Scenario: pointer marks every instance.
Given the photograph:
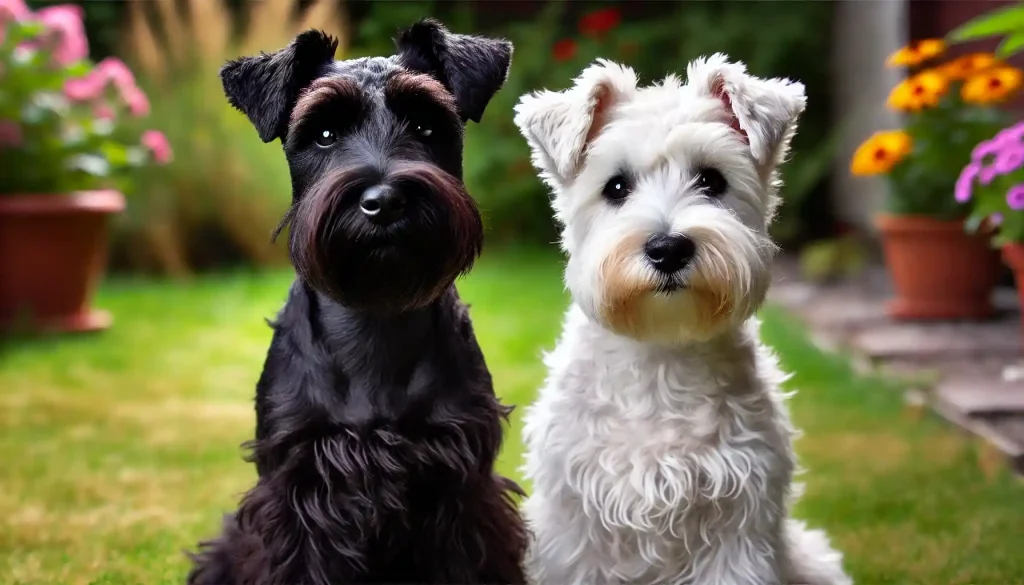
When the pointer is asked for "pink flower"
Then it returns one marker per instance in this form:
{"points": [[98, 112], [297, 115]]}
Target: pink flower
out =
{"points": [[103, 112], [996, 219], [138, 103], [113, 69], [962, 191], [1015, 197], [66, 21], [157, 143], [13, 10], [10, 134], [83, 89]]}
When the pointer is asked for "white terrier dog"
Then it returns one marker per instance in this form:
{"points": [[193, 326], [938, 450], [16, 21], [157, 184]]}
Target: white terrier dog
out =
{"points": [[660, 447]]}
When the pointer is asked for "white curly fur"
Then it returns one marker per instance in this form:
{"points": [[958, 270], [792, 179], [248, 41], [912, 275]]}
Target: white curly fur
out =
{"points": [[660, 446]]}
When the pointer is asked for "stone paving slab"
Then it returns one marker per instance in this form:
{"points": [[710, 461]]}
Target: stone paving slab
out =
{"points": [[957, 368], [939, 341], [982, 394]]}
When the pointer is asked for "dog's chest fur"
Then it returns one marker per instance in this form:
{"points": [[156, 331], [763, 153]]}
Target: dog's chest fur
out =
{"points": [[375, 448], [649, 451]]}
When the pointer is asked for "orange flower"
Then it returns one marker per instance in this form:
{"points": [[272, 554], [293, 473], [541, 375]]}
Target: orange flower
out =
{"points": [[916, 53], [880, 153], [968, 65], [923, 90], [992, 86]]}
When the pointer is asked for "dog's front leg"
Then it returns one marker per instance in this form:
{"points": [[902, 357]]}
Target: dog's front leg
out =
{"points": [[740, 525]]}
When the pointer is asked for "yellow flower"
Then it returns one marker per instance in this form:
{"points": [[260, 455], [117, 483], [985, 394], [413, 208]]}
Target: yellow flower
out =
{"points": [[916, 53], [994, 85], [879, 153], [923, 90], [968, 65]]}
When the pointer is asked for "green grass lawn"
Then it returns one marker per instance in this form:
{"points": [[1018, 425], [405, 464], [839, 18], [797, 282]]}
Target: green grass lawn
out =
{"points": [[120, 450]]}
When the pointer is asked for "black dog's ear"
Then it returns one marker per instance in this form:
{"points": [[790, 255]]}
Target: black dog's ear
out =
{"points": [[266, 87], [472, 68]]}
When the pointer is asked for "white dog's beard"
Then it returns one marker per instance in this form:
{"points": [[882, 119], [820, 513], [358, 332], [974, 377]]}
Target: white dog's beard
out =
{"points": [[723, 285]]}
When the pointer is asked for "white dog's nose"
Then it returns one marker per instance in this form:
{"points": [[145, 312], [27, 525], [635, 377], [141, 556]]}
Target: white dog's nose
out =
{"points": [[669, 253]]}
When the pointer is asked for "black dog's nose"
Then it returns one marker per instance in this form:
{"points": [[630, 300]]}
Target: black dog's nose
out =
{"points": [[669, 253], [382, 204]]}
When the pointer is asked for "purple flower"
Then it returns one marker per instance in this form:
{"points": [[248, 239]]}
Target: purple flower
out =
{"points": [[996, 219], [1012, 135], [1008, 159], [986, 148], [1015, 197], [962, 191]]}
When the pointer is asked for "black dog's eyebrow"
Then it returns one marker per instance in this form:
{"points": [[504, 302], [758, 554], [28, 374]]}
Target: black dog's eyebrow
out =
{"points": [[406, 90], [338, 92]]}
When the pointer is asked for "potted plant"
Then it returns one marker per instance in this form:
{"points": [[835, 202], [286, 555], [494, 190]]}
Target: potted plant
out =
{"points": [[64, 164], [940, 266], [993, 183]]}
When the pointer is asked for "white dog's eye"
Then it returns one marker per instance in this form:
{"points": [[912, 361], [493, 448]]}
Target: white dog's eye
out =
{"points": [[326, 138], [711, 182], [617, 189]]}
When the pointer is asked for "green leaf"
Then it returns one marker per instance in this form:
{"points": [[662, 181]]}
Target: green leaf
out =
{"points": [[116, 154], [998, 22], [1010, 45], [78, 69]]}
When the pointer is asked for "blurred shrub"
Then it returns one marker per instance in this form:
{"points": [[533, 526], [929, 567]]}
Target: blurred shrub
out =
{"points": [[221, 198], [227, 190], [100, 17], [655, 38], [771, 41], [61, 116]]}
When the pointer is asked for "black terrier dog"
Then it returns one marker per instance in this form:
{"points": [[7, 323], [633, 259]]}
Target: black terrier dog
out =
{"points": [[377, 426]]}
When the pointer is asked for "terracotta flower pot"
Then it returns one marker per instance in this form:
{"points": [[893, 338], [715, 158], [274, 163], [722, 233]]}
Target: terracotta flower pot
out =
{"points": [[53, 253], [938, 270]]}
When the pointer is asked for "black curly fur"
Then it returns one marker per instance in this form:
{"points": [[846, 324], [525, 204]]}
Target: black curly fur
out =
{"points": [[377, 427], [346, 497]]}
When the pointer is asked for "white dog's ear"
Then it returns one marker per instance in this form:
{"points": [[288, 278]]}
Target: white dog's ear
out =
{"points": [[560, 125], [765, 111]]}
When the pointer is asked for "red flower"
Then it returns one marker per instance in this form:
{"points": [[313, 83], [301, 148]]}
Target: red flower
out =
{"points": [[599, 22], [564, 50]]}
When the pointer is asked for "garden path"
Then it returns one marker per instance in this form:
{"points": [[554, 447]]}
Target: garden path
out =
{"points": [[972, 374]]}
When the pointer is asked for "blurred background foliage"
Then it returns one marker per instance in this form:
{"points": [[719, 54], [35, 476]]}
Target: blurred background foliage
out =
{"points": [[217, 203]]}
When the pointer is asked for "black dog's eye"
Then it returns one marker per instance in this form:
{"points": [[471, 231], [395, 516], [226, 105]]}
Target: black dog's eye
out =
{"points": [[617, 189], [711, 182], [422, 131], [326, 138]]}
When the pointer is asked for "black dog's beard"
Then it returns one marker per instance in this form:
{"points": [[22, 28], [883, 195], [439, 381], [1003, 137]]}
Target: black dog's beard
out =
{"points": [[398, 267]]}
